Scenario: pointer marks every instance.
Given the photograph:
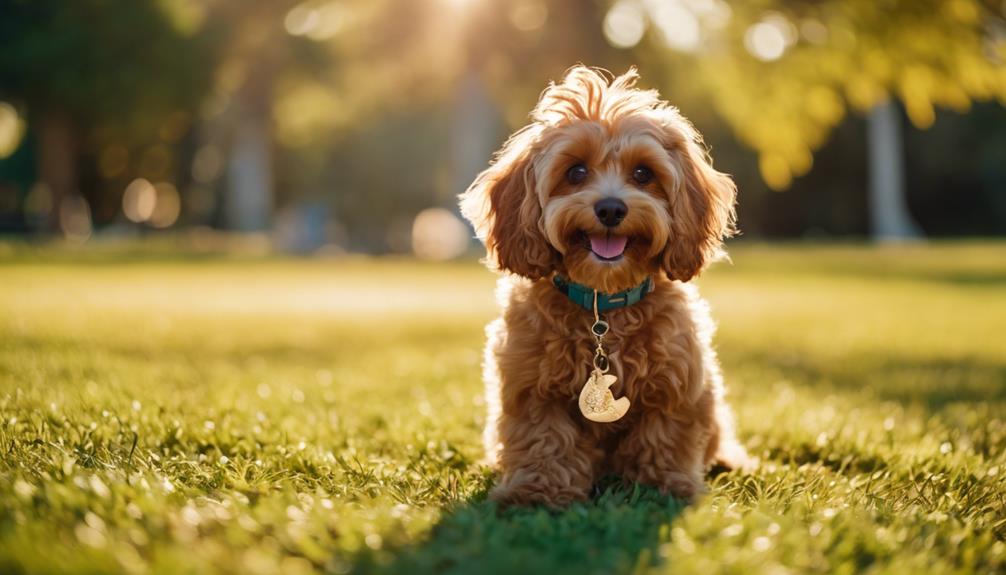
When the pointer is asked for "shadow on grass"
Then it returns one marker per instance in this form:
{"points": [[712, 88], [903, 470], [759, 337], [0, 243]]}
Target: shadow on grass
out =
{"points": [[618, 530]]}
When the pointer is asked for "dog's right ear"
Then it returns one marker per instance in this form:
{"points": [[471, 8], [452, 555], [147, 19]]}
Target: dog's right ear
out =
{"points": [[503, 207]]}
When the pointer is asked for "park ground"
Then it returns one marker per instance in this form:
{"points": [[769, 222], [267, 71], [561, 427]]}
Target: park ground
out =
{"points": [[188, 413]]}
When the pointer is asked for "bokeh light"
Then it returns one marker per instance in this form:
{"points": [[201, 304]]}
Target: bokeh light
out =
{"points": [[625, 24], [157, 204], [528, 15], [814, 31], [12, 128], [316, 20], [766, 40], [167, 206], [678, 25], [139, 200], [714, 14], [438, 234]]}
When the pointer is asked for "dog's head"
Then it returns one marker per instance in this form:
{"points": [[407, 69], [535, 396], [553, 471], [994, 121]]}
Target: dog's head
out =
{"points": [[607, 185]]}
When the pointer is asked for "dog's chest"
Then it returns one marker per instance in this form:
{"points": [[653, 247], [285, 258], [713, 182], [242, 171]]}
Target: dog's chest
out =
{"points": [[548, 348], [633, 355]]}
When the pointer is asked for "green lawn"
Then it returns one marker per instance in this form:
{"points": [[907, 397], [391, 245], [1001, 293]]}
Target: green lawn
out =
{"points": [[206, 414]]}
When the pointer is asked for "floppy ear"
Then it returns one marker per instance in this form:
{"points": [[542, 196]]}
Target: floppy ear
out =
{"points": [[502, 205], [702, 210]]}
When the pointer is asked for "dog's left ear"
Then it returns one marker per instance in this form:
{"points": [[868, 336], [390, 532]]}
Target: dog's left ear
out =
{"points": [[503, 207], [701, 204]]}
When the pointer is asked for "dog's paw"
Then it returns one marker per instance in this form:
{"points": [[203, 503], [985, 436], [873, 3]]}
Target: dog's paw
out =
{"points": [[684, 486], [523, 488]]}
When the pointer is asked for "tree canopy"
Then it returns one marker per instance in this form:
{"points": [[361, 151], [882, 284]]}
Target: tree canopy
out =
{"points": [[784, 73], [102, 61], [350, 88]]}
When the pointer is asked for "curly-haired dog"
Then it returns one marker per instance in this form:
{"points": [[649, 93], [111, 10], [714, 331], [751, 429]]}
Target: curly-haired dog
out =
{"points": [[602, 207]]}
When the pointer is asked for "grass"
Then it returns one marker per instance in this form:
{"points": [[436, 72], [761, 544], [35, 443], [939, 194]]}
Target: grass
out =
{"points": [[176, 414]]}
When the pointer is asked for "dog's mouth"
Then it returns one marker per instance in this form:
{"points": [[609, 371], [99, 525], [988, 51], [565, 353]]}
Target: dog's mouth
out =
{"points": [[608, 247]]}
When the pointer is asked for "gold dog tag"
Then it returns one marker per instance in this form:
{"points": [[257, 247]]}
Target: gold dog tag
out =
{"points": [[597, 403]]}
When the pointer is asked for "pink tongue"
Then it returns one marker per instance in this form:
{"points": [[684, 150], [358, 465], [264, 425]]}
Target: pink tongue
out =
{"points": [[607, 246]]}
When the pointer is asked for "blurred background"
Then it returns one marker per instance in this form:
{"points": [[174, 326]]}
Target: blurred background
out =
{"points": [[339, 126]]}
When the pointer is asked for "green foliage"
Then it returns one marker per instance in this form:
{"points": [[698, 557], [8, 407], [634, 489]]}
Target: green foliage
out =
{"points": [[193, 414], [113, 61], [819, 60]]}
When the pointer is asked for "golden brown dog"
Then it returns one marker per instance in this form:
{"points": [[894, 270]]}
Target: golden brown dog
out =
{"points": [[608, 189]]}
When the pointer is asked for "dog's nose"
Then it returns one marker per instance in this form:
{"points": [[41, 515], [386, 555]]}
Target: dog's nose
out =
{"points": [[611, 211]]}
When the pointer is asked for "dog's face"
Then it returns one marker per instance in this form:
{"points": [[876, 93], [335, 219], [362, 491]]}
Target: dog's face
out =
{"points": [[606, 186]]}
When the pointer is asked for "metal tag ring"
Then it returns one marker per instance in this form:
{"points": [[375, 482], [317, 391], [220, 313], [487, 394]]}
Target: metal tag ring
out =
{"points": [[600, 328]]}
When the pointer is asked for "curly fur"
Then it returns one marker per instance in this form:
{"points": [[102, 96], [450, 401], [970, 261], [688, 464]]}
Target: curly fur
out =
{"points": [[534, 224]]}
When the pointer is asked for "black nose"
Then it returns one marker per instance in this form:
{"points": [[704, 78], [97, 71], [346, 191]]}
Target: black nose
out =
{"points": [[611, 211]]}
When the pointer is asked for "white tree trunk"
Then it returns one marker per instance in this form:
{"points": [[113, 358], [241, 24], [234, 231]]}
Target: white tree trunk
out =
{"points": [[57, 160], [473, 132], [248, 204], [890, 220]]}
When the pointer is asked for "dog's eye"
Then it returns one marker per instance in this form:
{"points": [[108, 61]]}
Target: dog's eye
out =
{"points": [[576, 174], [642, 175]]}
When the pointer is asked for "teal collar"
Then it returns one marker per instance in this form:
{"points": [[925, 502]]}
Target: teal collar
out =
{"points": [[583, 296]]}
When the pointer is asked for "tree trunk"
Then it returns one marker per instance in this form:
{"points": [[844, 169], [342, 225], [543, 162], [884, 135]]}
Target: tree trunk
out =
{"points": [[890, 220], [473, 132], [248, 202], [56, 165]]}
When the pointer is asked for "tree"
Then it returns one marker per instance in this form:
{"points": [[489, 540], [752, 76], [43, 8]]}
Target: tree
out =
{"points": [[118, 67], [784, 73]]}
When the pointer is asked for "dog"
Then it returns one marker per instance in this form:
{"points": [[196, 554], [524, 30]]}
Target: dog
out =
{"points": [[599, 212]]}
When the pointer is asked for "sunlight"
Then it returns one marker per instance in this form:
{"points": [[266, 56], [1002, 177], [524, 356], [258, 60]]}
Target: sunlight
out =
{"points": [[438, 234]]}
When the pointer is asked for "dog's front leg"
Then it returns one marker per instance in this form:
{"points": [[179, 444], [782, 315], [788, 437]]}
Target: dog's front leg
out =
{"points": [[666, 450], [544, 458]]}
